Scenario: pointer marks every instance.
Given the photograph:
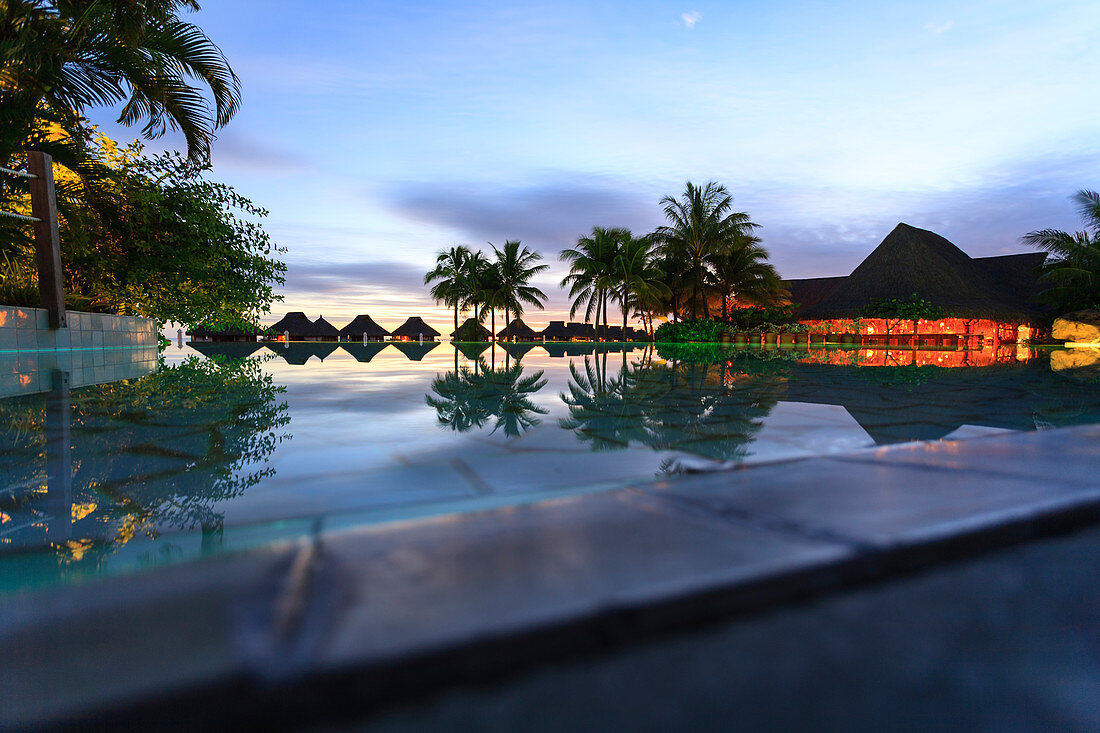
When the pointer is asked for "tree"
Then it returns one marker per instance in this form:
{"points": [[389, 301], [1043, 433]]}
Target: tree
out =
{"points": [[637, 277], [914, 308], [591, 271], [1072, 274], [742, 274], [448, 275], [167, 243], [701, 225], [516, 265], [62, 57]]}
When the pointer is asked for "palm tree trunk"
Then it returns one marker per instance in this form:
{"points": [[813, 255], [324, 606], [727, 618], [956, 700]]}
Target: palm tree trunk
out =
{"points": [[456, 320], [493, 323], [624, 316]]}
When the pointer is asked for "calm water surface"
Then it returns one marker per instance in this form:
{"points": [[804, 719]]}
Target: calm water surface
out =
{"points": [[220, 450]]}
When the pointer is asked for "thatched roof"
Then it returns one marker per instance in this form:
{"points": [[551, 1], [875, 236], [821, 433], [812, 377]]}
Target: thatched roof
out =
{"points": [[364, 324], [1018, 274], [321, 327], [471, 330], [808, 292], [581, 330], [517, 329], [413, 350], [414, 327], [556, 331], [911, 260], [296, 323], [363, 352]]}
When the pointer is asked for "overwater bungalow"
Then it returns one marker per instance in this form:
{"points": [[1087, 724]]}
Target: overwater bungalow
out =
{"points": [[983, 299], [363, 328], [322, 331], [471, 331], [517, 330], [556, 331], [413, 350], [294, 326], [298, 353], [581, 331], [414, 329], [364, 352], [209, 333]]}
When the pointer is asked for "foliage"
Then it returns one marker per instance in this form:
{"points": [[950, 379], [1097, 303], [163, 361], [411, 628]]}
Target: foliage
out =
{"points": [[913, 308], [702, 226], [1072, 273], [516, 266], [591, 277], [753, 318], [59, 58], [449, 277], [701, 330], [741, 274]]}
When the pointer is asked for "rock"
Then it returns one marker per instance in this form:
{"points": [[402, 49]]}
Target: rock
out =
{"points": [[1082, 327]]}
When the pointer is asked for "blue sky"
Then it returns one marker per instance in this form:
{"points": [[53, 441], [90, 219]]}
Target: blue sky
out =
{"points": [[379, 132]]}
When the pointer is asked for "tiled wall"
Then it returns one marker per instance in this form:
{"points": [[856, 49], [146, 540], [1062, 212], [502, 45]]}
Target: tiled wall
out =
{"points": [[95, 348]]}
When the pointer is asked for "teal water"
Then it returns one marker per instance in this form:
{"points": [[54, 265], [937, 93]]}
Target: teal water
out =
{"points": [[228, 447]]}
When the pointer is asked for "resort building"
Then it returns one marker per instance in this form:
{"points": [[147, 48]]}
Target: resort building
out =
{"points": [[363, 328], [517, 330], [982, 299], [556, 331], [294, 326], [414, 329], [471, 331], [581, 331], [322, 331]]}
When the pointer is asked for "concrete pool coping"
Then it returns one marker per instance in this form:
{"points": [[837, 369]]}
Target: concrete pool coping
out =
{"points": [[346, 622]]}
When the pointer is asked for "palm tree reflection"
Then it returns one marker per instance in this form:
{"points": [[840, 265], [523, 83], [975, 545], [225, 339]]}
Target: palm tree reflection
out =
{"points": [[474, 398], [698, 407]]}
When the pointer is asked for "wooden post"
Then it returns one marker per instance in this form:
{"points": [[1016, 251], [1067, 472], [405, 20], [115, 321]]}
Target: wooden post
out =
{"points": [[51, 291]]}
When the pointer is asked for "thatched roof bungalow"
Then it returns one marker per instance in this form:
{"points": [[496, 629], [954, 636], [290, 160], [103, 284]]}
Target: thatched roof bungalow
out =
{"points": [[322, 331], [556, 331], [472, 332], [517, 330], [295, 324], [363, 328], [986, 295], [581, 331], [414, 329]]}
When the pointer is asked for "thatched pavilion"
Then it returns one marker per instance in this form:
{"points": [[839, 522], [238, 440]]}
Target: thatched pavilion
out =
{"points": [[472, 331], [414, 329], [517, 330], [986, 297], [363, 328], [295, 324], [581, 331], [556, 331]]}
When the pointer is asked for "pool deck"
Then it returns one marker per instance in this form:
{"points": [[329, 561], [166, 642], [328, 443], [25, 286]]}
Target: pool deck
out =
{"points": [[349, 623]]}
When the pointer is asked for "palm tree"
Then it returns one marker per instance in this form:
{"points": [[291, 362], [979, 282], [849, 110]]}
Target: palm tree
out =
{"points": [[65, 57], [516, 266], [743, 274], [449, 275], [701, 224], [636, 274], [591, 272], [1073, 273], [485, 287]]}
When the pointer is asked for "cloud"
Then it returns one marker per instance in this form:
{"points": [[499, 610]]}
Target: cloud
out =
{"points": [[690, 19], [939, 27], [249, 154]]}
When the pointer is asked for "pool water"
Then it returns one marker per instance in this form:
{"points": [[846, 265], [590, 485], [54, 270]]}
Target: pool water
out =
{"points": [[225, 447]]}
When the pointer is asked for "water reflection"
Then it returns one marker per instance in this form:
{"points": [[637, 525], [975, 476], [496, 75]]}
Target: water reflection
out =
{"points": [[474, 398], [85, 471]]}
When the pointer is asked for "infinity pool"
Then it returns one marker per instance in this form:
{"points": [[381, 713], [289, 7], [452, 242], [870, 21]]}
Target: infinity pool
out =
{"points": [[227, 447]]}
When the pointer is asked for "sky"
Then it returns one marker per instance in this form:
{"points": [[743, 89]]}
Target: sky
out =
{"points": [[377, 133]]}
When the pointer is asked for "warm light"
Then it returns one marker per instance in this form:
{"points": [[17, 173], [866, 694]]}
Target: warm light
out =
{"points": [[870, 329]]}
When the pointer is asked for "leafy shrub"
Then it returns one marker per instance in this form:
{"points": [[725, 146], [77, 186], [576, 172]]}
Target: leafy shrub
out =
{"points": [[696, 331]]}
